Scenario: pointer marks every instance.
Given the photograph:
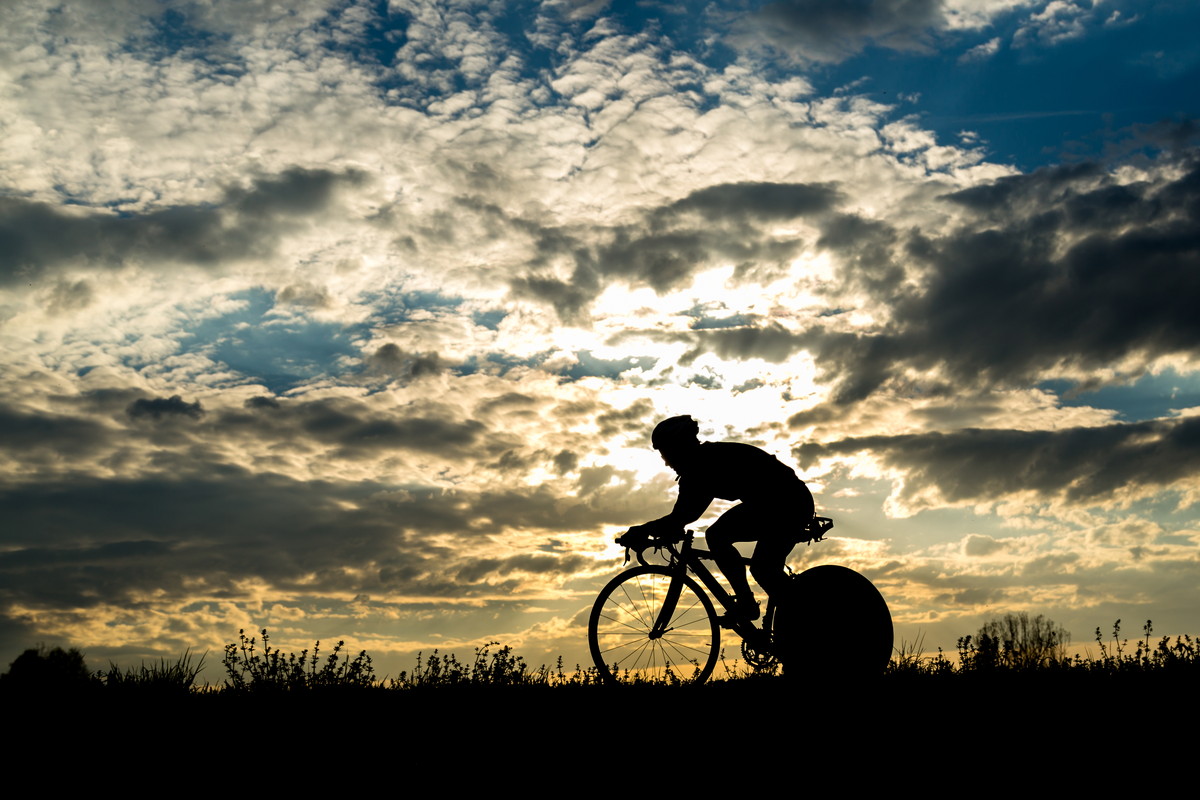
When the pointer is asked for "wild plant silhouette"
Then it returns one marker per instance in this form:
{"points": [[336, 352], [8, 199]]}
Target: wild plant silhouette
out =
{"points": [[252, 666]]}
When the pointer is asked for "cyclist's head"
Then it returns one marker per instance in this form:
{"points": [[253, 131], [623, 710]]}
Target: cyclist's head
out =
{"points": [[675, 434]]}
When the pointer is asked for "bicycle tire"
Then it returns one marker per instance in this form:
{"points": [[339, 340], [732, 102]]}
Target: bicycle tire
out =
{"points": [[622, 620], [833, 624]]}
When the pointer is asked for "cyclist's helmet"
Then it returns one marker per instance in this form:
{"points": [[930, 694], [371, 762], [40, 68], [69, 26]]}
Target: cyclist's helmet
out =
{"points": [[675, 432]]}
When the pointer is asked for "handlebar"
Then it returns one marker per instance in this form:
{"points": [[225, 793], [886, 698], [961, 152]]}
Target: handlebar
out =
{"points": [[639, 541]]}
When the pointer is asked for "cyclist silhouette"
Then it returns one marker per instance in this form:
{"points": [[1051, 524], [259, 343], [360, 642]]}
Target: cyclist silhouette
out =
{"points": [[775, 505]]}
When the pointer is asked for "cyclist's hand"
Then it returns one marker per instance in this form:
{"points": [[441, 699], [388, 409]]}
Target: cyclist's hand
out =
{"points": [[635, 538]]}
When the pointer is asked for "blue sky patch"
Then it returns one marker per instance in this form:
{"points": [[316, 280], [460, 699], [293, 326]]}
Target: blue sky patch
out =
{"points": [[393, 306], [1028, 103], [732, 321], [489, 319], [591, 366], [1149, 397], [174, 34], [279, 352]]}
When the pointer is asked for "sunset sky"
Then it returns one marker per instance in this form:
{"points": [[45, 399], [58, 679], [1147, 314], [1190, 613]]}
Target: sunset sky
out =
{"points": [[351, 320]]}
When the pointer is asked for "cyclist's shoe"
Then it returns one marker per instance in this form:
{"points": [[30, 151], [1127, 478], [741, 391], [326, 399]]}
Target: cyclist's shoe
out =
{"points": [[743, 610]]}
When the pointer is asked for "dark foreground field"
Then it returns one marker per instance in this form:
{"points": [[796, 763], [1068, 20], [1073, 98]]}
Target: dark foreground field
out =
{"points": [[1130, 711], [893, 720]]}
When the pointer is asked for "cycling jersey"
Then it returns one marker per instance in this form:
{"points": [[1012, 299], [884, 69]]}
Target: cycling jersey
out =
{"points": [[733, 471]]}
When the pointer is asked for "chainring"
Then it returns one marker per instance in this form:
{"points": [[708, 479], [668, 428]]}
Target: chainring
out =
{"points": [[758, 659]]}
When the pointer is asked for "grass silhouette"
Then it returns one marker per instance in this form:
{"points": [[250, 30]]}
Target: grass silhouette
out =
{"points": [[253, 667]]}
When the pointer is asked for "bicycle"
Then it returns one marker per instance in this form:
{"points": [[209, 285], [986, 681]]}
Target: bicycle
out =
{"points": [[655, 622]]}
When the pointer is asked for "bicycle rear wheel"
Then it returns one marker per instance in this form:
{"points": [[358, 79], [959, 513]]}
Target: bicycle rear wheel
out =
{"points": [[621, 629], [833, 624]]}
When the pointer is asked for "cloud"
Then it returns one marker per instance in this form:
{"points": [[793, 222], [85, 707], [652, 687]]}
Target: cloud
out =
{"points": [[354, 430], [1105, 466], [30, 437], [976, 545], [349, 233], [675, 241], [160, 541], [1060, 273], [831, 31], [753, 202], [981, 52], [247, 222], [391, 360], [1063, 272], [160, 407], [770, 342], [1059, 21]]}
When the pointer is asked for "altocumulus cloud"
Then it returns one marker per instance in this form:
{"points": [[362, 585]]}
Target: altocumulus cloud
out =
{"points": [[353, 318]]}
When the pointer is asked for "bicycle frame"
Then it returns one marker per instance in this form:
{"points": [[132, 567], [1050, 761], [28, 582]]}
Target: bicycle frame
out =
{"points": [[686, 557], [657, 619]]}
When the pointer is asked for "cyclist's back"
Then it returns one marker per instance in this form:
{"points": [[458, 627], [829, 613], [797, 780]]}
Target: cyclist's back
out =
{"points": [[736, 471]]}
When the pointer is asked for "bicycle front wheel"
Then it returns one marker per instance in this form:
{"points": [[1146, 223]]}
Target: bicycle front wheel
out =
{"points": [[621, 630]]}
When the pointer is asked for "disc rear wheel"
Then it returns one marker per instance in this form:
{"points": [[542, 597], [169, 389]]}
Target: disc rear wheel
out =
{"points": [[833, 624], [621, 631]]}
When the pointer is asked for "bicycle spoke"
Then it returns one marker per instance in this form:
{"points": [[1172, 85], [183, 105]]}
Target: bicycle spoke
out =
{"points": [[633, 603], [679, 648], [637, 643], [636, 654], [678, 622], [641, 629]]}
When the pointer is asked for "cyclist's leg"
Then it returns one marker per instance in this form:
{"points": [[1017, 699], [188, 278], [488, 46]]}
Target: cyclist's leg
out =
{"points": [[735, 525], [777, 523], [766, 565]]}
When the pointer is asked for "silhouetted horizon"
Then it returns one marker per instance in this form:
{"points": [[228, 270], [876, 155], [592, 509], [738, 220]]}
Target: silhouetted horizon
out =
{"points": [[352, 320]]}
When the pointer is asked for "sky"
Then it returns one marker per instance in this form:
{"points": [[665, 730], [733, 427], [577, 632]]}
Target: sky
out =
{"points": [[351, 320]]}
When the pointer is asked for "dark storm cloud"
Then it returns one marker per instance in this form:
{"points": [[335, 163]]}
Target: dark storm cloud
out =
{"points": [[94, 542], [717, 224], [1060, 270], [247, 222], [535, 563], [389, 359], [565, 461], [866, 248], [1065, 272], [181, 437], [721, 223], [633, 419], [508, 402], [770, 342], [67, 296], [569, 298], [85, 543], [832, 30], [357, 431], [1079, 464], [35, 436], [751, 202], [160, 407]]}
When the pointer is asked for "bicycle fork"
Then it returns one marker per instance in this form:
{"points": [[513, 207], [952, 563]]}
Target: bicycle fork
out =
{"points": [[667, 612]]}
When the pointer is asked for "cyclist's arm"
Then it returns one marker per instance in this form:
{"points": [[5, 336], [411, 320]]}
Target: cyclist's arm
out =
{"points": [[689, 507]]}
